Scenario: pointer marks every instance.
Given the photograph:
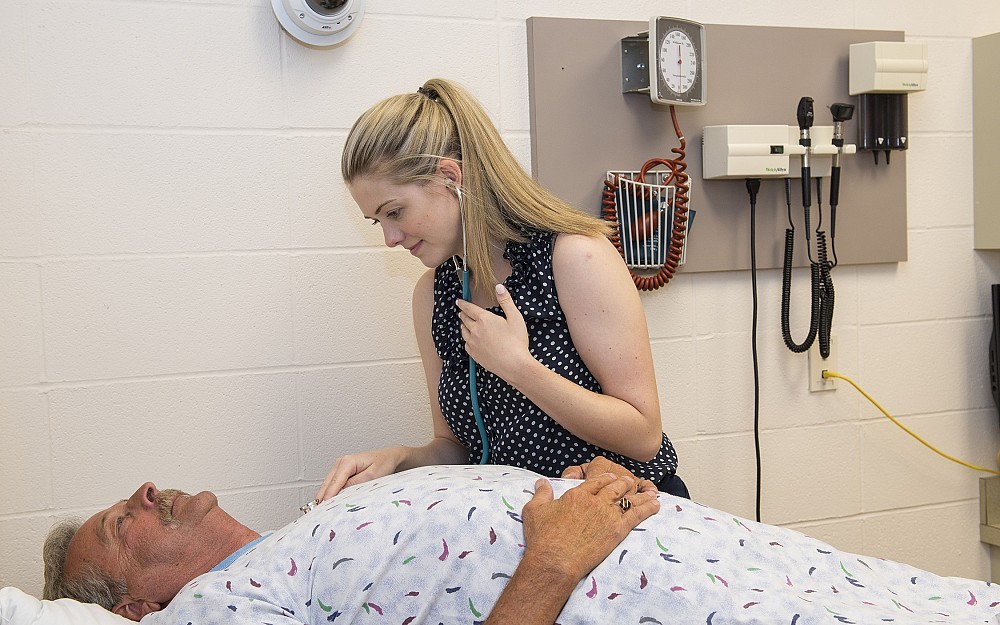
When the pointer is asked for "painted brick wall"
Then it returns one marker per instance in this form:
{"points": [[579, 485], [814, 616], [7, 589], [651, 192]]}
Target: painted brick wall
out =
{"points": [[188, 294]]}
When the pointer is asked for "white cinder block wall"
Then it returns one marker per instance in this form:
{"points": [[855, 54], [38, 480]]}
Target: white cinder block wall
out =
{"points": [[188, 295]]}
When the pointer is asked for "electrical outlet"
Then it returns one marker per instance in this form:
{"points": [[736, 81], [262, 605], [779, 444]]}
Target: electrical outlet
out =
{"points": [[817, 364]]}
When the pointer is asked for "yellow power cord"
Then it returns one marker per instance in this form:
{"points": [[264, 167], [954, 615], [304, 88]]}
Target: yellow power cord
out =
{"points": [[831, 374]]}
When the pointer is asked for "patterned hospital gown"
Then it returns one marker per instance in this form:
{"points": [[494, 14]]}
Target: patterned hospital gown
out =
{"points": [[438, 545]]}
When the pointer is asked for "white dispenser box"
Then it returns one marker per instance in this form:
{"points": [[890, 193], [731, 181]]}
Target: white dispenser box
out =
{"points": [[887, 67]]}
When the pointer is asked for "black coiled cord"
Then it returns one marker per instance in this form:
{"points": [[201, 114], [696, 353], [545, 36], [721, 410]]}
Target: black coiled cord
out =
{"points": [[786, 298], [826, 295], [821, 288]]}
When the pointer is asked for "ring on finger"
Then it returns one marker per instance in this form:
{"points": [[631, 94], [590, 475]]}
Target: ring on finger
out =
{"points": [[624, 504]]}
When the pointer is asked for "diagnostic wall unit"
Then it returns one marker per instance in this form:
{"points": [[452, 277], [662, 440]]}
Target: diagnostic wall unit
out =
{"points": [[582, 125]]}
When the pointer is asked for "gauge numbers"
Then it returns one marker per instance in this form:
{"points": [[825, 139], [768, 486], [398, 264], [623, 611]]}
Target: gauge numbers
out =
{"points": [[677, 49], [678, 61]]}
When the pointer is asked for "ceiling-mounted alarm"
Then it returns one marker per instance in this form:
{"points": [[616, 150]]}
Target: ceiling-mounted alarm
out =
{"points": [[320, 23]]}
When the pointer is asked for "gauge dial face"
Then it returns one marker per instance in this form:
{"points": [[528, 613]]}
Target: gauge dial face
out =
{"points": [[678, 61]]}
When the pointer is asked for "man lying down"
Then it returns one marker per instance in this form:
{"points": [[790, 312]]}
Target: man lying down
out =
{"points": [[468, 544]]}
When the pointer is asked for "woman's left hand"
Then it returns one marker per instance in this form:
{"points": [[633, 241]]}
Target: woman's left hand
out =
{"points": [[500, 345], [600, 465]]}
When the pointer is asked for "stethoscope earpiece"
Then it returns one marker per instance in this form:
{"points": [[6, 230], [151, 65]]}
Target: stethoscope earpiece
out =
{"points": [[450, 184]]}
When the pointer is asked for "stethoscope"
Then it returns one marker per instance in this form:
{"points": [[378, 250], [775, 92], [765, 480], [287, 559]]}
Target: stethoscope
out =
{"points": [[467, 296]]}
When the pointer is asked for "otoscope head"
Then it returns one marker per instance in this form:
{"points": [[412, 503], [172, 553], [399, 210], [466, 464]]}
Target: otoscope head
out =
{"points": [[805, 113], [842, 111]]}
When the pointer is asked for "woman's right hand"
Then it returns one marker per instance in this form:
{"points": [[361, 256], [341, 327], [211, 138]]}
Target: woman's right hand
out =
{"points": [[358, 468]]}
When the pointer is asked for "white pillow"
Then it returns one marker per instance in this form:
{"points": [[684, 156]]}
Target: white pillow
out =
{"points": [[18, 608]]}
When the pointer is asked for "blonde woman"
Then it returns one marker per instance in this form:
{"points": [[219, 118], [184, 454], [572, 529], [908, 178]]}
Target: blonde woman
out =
{"points": [[563, 370]]}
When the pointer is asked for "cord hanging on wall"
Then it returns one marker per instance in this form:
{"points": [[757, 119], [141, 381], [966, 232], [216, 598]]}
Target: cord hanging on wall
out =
{"points": [[319, 23], [821, 284]]}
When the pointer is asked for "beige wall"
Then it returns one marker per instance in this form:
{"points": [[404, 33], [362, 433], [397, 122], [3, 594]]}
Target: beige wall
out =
{"points": [[188, 295]]}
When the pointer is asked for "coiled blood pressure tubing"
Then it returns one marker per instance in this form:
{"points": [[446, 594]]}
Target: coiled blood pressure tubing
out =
{"points": [[467, 296], [679, 178]]}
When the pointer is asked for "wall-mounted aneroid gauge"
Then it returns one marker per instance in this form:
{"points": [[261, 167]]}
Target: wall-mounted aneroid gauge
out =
{"points": [[677, 52], [667, 62]]}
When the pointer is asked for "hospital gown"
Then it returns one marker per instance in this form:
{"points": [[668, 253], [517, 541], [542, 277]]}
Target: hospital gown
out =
{"points": [[438, 545]]}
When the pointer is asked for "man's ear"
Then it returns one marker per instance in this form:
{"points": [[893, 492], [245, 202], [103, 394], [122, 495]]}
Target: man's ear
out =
{"points": [[135, 609]]}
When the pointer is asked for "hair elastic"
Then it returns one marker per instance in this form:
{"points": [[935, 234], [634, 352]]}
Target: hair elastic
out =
{"points": [[430, 92]]}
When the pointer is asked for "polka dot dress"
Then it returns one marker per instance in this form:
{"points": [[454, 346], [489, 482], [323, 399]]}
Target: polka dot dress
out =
{"points": [[520, 434]]}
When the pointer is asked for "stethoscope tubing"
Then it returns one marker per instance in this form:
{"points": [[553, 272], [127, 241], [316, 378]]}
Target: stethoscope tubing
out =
{"points": [[467, 296]]}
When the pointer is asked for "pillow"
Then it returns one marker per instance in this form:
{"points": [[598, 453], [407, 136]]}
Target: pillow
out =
{"points": [[19, 608]]}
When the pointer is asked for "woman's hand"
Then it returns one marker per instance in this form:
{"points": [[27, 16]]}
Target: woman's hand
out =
{"points": [[600, 465], [498, 344], [357, 468]]}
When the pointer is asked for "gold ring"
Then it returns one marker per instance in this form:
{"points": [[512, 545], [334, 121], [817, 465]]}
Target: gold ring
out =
{"points": [[624, 504]]}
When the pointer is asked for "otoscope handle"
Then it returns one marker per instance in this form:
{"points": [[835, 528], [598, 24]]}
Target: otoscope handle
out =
{"points": [[835, 186]]}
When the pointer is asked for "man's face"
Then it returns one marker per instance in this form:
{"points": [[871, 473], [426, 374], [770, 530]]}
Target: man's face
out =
{"points": [[154, 541]]}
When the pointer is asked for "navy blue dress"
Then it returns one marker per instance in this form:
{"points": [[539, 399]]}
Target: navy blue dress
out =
{"points": [[520, 434]]}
